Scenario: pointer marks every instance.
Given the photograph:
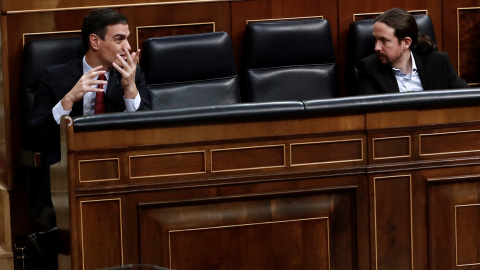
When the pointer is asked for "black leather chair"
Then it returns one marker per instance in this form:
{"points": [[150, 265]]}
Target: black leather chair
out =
{"points": [[190, 70], [362, 44], [37, 55], [289, 60]]}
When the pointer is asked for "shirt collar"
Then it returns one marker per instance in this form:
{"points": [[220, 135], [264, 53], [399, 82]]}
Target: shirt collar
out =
{"points": [[414, 66], [87, 68]]}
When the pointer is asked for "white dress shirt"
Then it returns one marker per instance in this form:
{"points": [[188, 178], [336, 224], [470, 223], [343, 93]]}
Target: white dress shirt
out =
{"points": [[89, 100], [408, 82]]}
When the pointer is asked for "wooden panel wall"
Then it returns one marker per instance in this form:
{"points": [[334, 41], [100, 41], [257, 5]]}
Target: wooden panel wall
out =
{"points": [[24, 20], [283, 193], [29, 19], [464, 39], [6, 254], [286, 201]]}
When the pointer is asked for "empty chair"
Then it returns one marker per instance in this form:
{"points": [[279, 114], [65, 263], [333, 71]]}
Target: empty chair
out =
{"points": [[289, 60], [190, 70], [362, 44]]}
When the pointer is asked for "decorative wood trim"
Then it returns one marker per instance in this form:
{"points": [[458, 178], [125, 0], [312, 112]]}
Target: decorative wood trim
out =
{"points": [[244, 197], [5, 228], [166, 154], [116, 6], [49, 33], [389, 138], [284, 19], [461, 178], [98, 160], [120, 222], [363, 14], [170, 25], [375, 215], [327, 162], [444, 133], [170, 232], [378, 13], [456, 235], [246, 148], [458, 41], [260, 195], [246, 224]]}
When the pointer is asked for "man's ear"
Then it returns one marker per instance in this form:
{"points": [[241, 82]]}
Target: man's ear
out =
{"points": [[408, 42], [94, 39]]}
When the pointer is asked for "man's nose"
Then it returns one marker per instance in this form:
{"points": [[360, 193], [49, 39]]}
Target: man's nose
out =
{"points": [[378, 46], [127, 45]]}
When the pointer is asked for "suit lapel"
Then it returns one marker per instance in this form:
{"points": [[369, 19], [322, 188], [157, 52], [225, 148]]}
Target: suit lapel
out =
{"points": [[115, 93], [422, 71], [390, 81], [113, 98]]}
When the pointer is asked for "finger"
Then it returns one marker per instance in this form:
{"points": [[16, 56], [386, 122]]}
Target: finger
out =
{"points": [[127, 53], [125, 59], [136, 56], [132, 59], [95, 69], [97, 73], [120, 69], [122, 61], [95, 89], [97, 82]]}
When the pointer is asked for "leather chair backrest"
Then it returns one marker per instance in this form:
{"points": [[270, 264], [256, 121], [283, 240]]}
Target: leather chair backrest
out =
{"points": [[190, 70], [39, 54], [289, 60], [362, 44]]}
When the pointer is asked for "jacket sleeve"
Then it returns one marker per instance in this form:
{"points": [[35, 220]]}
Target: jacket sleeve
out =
{"points": [[41, 129], [454, 81], [143, 90], [365, 84]]}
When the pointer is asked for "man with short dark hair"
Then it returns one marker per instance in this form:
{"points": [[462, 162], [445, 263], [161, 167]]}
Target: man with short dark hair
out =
{"points": [[107, 79], [404, 59]]}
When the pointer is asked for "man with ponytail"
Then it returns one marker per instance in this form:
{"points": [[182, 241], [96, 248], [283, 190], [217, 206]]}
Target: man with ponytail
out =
{"points": [[404, 59]]}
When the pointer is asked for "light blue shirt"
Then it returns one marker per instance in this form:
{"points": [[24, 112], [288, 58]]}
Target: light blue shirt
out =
{"points": [[408, 82], [131, 105]]}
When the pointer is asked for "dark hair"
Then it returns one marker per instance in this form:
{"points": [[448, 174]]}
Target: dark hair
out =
{"points": [[405, 25], [96, 22]]}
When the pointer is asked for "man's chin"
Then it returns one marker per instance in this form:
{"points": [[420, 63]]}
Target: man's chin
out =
{"points": [[382, 60]]}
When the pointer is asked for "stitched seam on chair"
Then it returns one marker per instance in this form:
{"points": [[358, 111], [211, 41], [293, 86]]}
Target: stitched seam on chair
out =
{"points": [[293, 66], [196, 81]]}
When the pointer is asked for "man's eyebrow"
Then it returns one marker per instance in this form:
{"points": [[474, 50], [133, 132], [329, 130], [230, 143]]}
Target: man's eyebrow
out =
{"points": [[380, 37], [119, 35]]}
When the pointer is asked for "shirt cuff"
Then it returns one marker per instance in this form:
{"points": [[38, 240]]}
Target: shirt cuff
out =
{"points": [[58, 112], [132, 105]]}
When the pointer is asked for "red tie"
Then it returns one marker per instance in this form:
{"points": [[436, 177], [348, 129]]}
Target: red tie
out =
{"points": [[99, 102]]}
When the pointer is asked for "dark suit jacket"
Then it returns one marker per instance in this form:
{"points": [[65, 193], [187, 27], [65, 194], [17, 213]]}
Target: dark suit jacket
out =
{"points": [[55, 83], [434, 68]]}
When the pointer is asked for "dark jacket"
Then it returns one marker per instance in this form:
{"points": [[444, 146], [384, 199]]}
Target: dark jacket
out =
{"points": [[42, 130], [434, 68]]}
